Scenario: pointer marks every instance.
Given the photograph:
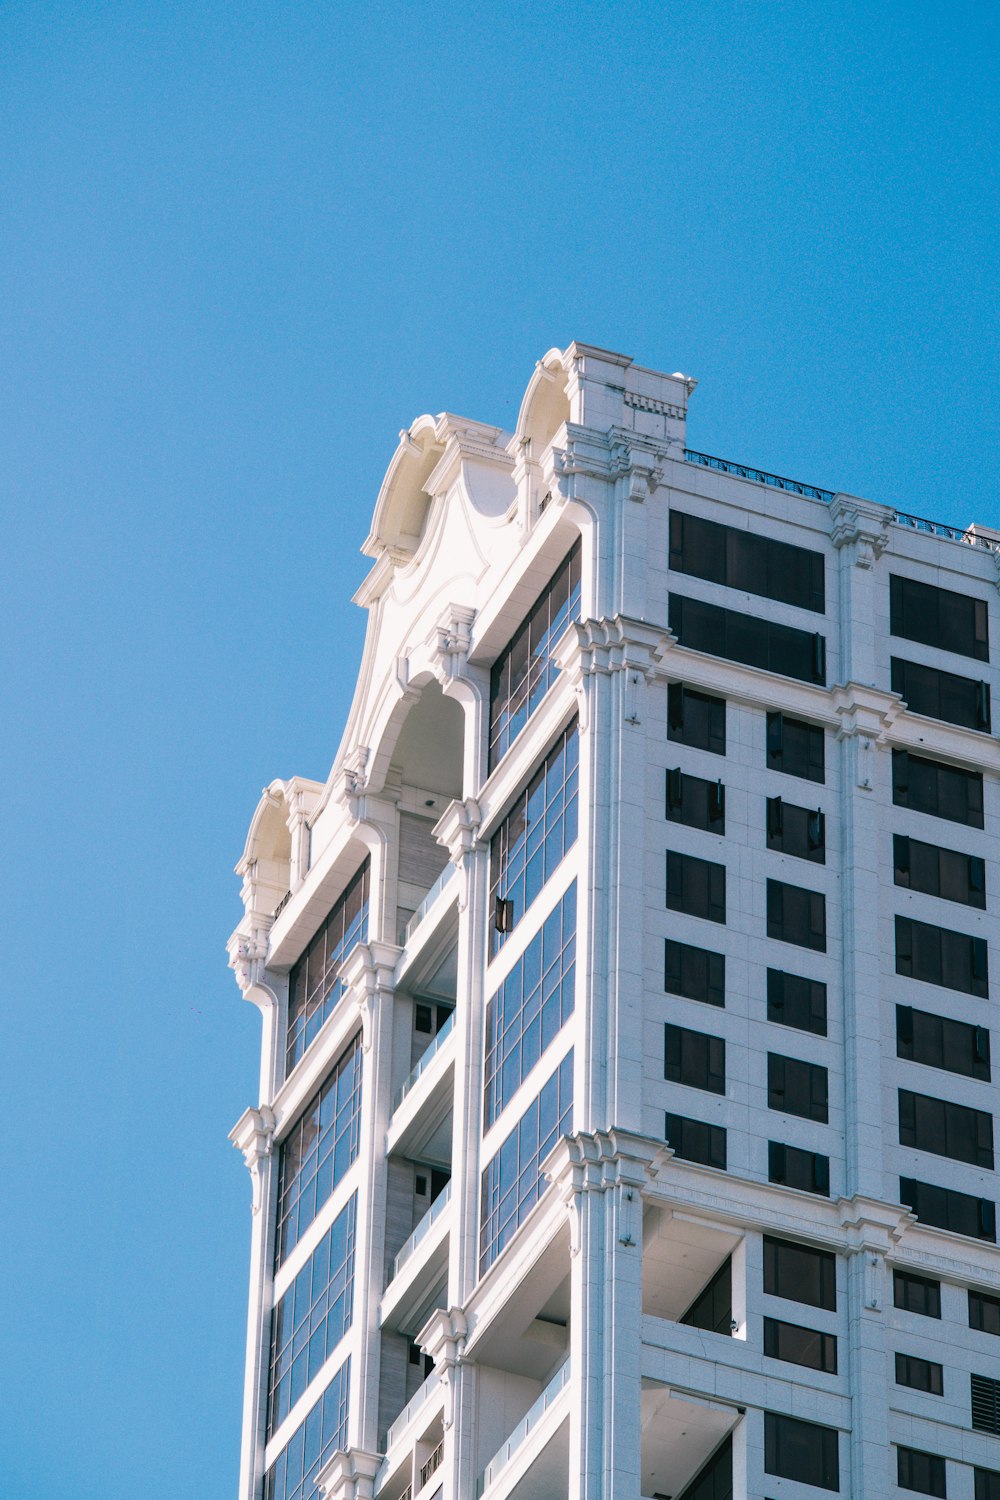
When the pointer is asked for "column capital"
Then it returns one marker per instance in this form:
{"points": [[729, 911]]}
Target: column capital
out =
{"points": [[865, 711], [612, 1161], [862, 526], [369, 973], [349, 1475], [248, 949], [873, 1225], [458, 830], [253, 1134], [599, 648]]}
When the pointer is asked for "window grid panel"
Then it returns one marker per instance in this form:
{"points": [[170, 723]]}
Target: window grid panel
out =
{"points": [[796, 915], [531, 1007], [946, 1129], [315, 986], [984, 1313], [525, 670], [795, 1001], [942, 791], [937, 955], [745, 560], [695, 973], [916, 1294], [941, 1042], [751, 639], [802, 1451], [938, 617], [939, 872], [696, 719], [924, 1473], [318, 1151], [535, 835], [511, 1182], [946, 1208], [696, 1141], [292, 1476], [797, 1345], [796, 748], [919, 1374], [312, 1316], [800, 1273], [942, 695]]}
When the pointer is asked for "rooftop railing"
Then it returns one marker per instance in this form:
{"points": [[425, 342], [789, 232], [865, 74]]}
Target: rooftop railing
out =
{"points": [[435, 1211], [446, 875], [530, 1420], [424, 1061], [970, 537]]}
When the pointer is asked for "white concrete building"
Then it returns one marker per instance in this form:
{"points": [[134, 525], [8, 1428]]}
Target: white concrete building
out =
{"points": [[625, 1122]]}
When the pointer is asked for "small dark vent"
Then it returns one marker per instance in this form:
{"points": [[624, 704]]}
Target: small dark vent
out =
{"points": [[985, 1404]]}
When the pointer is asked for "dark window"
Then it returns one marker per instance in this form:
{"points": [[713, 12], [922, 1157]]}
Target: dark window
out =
{"points": [[799, 1273], [795, 915], [796, 748], [311, 1317], [916, 1294], [696, 886], [940, 1042], [803, 1451], [944, 1208], [797, 1088], [693, 1058], [696, 802], [314, 984], [743, 559], [985, 1404], [800, 1346], [512, 1182], [942, 695], [946, 1129], [531, 1006], [694, 973], [937, 955], [920, 1374], [930, 786], [987, 1484], [798, 1002], [696, 719], [806, 1170], [292, 1476], [524, 671], [800, 831], [923, 1472], [714, 1480], [693, 1140], [751, 639], [712, 1309], [318, 1150], [984, 1313], [939, 872], [938, 617], [535, 834]]}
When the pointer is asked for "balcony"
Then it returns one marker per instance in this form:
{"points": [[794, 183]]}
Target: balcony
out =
{"points": [[527, 1425], [430, 1218], [419, 1269], [424, 1062], [412, 1442]]}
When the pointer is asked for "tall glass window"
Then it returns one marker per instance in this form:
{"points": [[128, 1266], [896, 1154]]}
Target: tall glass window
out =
{"points": [[315, 984], [524, 671], [512, 1182], [530, 1007], [312, 1317], [292, 1476], [534, 836], [321, 1146]]}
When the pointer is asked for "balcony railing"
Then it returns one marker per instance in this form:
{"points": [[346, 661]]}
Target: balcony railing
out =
{"points": [[446, 875], [424, 1062], [528, 1422], [421, 1394], [433, 1464], [948, 533], [435, 1211]]}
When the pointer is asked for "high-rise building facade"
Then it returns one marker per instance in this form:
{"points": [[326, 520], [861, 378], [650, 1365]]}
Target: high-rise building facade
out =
{"points": [[626, 1116]]}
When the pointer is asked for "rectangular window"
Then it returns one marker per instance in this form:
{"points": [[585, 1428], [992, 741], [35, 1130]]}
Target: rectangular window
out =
{"points": [[714, 1480], [938, 617], [800, 1346], [942, 695], [312, 1317], [803, 1451], [798, 1002], [806, 1170], [751, 639], [743, 559], [936, 955], [922, 1472], [525, 670], [693, 1140], [799, 831], [944, 1208], [797, 1088], [943, 791], [694, 973], [696, 802], [940, 1042], [920, 1374], [314, 984], [292, 1476], [939, 872], [535, 835], [692, 1058], [696, 719], [712, 1309], [984, 1313], [795, 915], [946, 1129], [798, 1273], [916, 1294], [531, 1006], [985, 1404], [512, 1182], [696, 887], [795, 747], [318, 1150], [987, 1484]]}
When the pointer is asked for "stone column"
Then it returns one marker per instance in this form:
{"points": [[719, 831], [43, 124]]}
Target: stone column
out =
{"points": [[872, 1229], [253, 1134], [443, 1338]]}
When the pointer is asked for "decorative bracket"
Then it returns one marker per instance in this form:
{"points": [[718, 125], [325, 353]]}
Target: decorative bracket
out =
{"points": [[613, 1161], [862, 525], [349, 1475], [458, 830], [443, 1338], [368, 973], [253, 1134]]}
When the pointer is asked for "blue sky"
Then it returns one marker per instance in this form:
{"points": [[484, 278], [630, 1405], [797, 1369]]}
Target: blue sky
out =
{"points": [[241, 246]]}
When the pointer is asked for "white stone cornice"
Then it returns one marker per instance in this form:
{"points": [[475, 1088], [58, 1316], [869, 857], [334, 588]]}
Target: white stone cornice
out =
{"points": [[449, 642], [601, 1162], [873, 1230], [615, 454], [865, 711], [443, 1337], [594, 648], [253, 1134], [862, 525], [349, 1475], [247, 949], [368, 974], [458, 830]]}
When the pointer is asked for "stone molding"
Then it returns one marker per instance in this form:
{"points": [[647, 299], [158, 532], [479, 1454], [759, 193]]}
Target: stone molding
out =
{"points": [[613, 1161], [865, 711], [368, 973], [862, 525], [253, 1134], [443, 1337], [458, 830], [599, 648], [248, 949], [349, 1475]]}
